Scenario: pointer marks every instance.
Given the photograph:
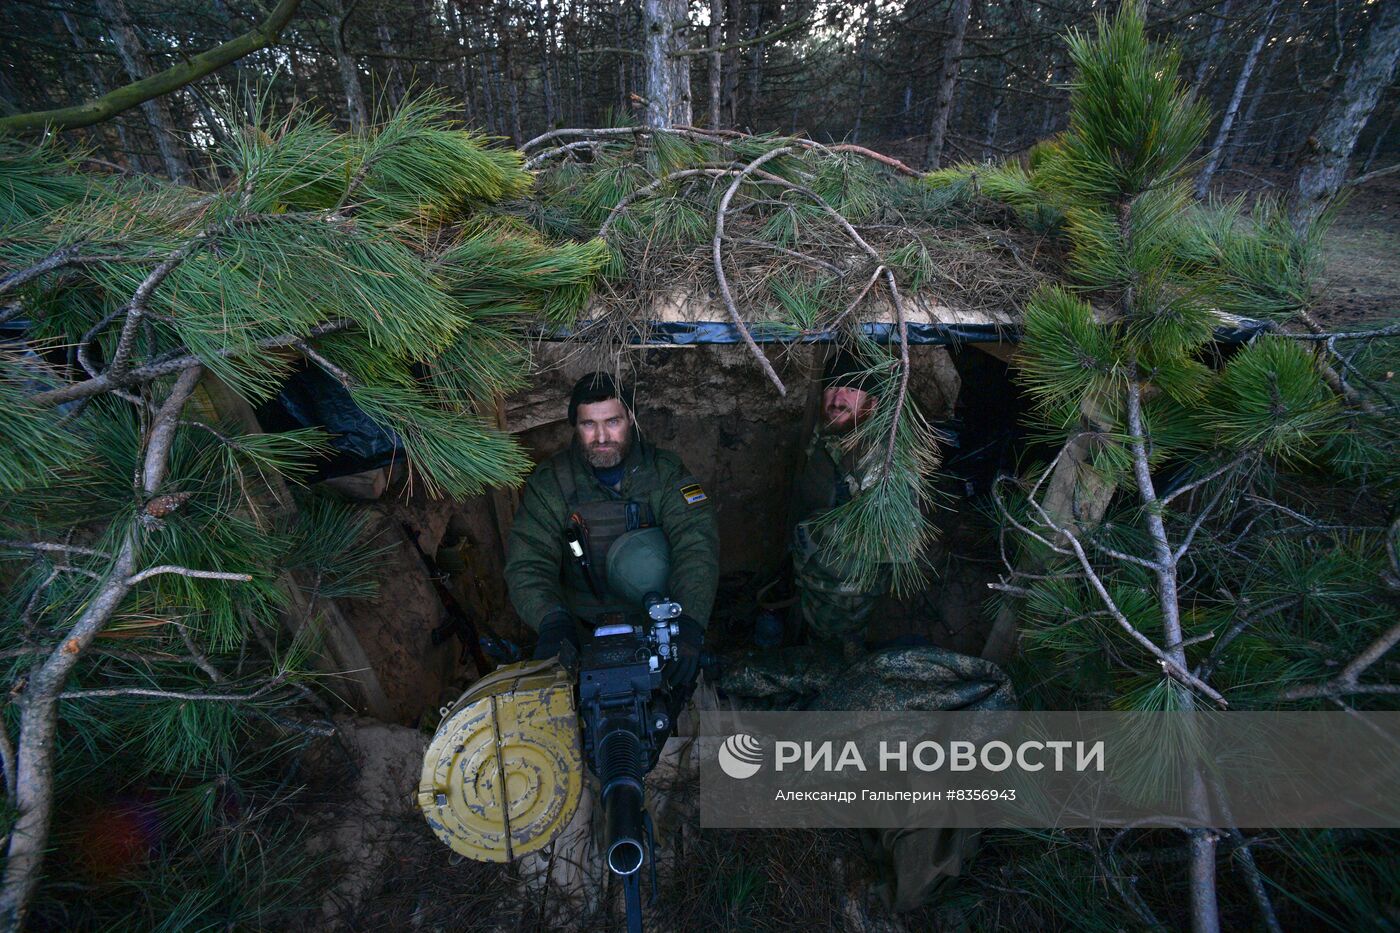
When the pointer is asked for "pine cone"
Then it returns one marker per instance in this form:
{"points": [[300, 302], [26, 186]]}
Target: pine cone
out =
{"points": [[161, 506]]}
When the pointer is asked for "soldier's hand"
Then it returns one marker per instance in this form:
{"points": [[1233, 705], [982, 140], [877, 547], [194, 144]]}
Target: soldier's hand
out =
{"points": [[558, 638], [685, 667]]}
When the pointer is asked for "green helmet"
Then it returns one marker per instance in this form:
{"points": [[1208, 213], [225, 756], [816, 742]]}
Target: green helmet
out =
{"points": [[639, 562]]}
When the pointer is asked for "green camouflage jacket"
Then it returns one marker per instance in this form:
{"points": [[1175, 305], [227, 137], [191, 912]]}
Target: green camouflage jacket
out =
{"points": [[537, 571]]}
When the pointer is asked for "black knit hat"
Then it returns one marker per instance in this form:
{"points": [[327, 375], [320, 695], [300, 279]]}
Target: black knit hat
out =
{"points": [[845, 371], [597, 387]]}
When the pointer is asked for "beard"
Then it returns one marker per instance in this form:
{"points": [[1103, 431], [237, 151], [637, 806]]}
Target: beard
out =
{"points": [[839, 419], [606, 456]]}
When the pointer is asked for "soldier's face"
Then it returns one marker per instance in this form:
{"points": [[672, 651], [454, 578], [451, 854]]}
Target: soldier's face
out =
{"points": [[604, 431], [843, 408]]}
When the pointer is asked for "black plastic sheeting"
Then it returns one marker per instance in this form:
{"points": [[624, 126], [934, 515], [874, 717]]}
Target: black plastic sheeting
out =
{"points": [[311, 398], [684, 333]]}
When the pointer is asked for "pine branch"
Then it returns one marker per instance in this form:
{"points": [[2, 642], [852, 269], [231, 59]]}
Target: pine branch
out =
{"points": [[190, 68], [106, 382], [1347, 683], [55, 260], [33, 797]]}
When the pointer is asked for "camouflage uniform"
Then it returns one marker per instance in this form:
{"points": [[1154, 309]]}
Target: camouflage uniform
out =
{"points": [[834, 610], [656, 489]]}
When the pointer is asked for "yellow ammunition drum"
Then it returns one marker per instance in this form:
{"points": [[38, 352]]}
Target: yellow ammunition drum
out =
{"points": [[504, 772]]}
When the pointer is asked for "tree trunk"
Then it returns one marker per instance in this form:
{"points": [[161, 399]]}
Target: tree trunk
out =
{"points": [[716, 60], [459, 42], [947, 83], [989, 142], [733, 32], [1325, 165], [1380, 139], [667, 73], [349, 70], [1222, 136], [395, 86], [544, 14], [99, 87], [863, 53], [1261, 88], [1208, 56], [757, 25], [137, 65]]}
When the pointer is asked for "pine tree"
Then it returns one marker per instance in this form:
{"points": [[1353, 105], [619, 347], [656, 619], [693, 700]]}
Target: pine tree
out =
{"points": [[143, 623], [1221, 563]]}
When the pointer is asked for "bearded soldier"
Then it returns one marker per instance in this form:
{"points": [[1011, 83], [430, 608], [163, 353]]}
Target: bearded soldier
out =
{"points": [[834, 601], [604, 524], [835, 608]]}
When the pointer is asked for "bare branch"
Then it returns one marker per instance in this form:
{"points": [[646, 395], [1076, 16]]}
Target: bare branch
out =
{"points": [[55, 260], [186, 572], [725, 294], [136, 308], [105, 692], [903, 370], [536, 161], [52, 546], [1347, 682], [1195, 484]]}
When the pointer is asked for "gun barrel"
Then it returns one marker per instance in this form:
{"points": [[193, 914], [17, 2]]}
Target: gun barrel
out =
{"points": [[623, 761], [622, 819]]}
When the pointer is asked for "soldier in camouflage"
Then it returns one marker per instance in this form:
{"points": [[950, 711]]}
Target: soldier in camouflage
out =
{"points": [[833, 608], [592, 509]]}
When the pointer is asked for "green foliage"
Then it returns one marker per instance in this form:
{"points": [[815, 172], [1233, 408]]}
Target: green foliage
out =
{"points": [[37, 180], [1069, 356], [372, 256], [882, 533], [1260, 266], [1269, 398], [1132, 124], [35, 446]]}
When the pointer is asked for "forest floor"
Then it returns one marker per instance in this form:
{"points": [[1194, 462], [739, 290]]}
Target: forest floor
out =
{"points": [[1360, 250]]}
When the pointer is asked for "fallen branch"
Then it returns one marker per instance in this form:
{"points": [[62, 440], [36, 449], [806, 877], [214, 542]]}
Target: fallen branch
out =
{"points": [[38, 702], [106, 382]]}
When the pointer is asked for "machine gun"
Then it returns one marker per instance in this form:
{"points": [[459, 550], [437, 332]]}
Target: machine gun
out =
{"points": [[624, 706], [537, 720]]}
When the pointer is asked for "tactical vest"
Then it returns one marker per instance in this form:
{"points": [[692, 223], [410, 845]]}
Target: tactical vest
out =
{"points": [[599, 523]]}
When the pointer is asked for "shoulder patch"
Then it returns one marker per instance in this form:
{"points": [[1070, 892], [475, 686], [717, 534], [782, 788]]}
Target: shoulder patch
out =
{"points": [[693, 494]]}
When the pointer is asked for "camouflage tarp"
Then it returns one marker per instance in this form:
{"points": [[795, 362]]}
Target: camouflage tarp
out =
{"points": [[913, 863]]}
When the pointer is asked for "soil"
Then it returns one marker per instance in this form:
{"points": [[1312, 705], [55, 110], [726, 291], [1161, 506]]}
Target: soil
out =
{"points": [[1360, 248]]}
